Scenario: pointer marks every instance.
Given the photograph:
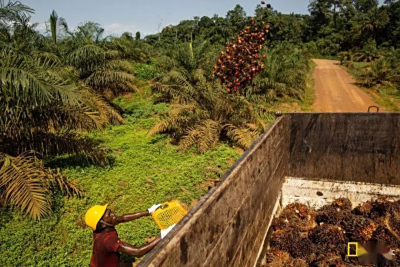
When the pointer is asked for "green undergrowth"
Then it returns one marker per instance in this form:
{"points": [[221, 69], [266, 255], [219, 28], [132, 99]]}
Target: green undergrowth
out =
{"points": [[291, 104], [145, 170], [385, 95]]}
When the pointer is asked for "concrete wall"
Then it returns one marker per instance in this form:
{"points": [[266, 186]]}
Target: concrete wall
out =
{"points": [[228, 226], [358, 147]]}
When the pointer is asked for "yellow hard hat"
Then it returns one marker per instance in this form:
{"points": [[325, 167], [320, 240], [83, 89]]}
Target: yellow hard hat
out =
{"points": [[94, 214]]}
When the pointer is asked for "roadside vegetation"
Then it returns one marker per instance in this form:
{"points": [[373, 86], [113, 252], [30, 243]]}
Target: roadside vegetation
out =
{"points": [[378, 72], [89, 119]]}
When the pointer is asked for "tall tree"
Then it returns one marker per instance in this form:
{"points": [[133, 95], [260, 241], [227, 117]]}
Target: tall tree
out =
{"points": [[236, 18]]}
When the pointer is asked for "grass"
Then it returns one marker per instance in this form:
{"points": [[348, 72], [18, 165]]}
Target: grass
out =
{"points": [[385, 95], [145, 170], [326, 57]]}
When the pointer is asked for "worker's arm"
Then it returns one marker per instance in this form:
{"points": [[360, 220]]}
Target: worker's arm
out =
{"points": [[137, 251], [133, 216]]}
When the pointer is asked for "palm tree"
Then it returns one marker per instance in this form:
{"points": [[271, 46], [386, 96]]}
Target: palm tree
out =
{"points": [[377, 73], [203, 114], [372, 22], [55, 24], [99, 65], [345, 56], [10, 11], [44, 113], [369, 53], [285, 74]]}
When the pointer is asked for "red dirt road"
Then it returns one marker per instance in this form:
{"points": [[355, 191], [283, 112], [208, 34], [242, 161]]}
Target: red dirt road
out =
{"points": [[335, 90]]}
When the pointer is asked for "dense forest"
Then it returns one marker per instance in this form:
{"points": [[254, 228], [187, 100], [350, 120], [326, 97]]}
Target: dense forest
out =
{"points": [[60, 88]]}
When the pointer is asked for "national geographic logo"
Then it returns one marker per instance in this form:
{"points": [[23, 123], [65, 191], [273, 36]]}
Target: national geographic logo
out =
{"points": [[371, 252]]}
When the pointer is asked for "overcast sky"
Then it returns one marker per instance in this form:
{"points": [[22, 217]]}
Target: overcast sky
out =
{"points": [[119, 16]]}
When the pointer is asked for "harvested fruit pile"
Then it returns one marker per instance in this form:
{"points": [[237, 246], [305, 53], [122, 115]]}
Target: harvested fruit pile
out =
{"points": [[306, 237], [241, 61]]}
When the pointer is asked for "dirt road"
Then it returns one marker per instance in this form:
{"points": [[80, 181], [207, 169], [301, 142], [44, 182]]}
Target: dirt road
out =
{"points": [[335, 90]]}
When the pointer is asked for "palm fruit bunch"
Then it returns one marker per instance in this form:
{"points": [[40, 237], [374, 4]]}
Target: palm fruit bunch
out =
{"points": [[329, 238], [378, 208], [294, 242], [295, 215], [343, 204], [358, 228], [241, 61], [331, 214], [278, 258], [329, 259], [385, 235]]}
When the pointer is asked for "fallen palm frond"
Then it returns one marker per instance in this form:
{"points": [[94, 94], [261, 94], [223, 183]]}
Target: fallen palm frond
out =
{"points": [[26, 183]]}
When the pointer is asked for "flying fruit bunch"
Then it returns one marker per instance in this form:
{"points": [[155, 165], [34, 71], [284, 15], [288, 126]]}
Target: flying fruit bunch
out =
{"points": [[240, 62], [263, 3]]}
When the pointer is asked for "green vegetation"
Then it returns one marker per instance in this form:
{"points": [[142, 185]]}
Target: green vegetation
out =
{"points": [[132, 121], [144, 170], [379, 79]]}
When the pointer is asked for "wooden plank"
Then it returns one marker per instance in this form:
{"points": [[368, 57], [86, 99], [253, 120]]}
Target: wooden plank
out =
{"points": [[347, 147]]}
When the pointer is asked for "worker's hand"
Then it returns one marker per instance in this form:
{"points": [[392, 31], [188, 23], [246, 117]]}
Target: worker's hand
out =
{"points": [[164, 232], [153, 208]]}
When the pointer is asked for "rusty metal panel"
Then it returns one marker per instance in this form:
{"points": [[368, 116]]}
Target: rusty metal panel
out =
{"points": [[359, 147], [234, 217]]}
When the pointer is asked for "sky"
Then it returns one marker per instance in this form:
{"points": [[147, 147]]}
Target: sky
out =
{"points": [[119, 16]]}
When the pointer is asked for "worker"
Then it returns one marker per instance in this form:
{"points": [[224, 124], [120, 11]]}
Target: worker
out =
{"points": [[106, 243]]}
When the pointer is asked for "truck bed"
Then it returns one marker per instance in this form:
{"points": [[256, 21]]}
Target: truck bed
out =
{"points": [[335, 154]]}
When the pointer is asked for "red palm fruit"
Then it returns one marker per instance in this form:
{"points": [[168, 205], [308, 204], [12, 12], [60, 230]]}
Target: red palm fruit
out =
{"points": [[262, 22], [264, 56], [230, 84], [235, 89], [215, 67], [228, 90], [248, 28]]}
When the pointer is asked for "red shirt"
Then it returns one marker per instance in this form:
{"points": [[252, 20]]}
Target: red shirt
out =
{"points": [[105, 245]]}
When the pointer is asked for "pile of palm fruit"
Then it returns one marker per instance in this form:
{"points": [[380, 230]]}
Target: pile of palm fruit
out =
{"points": [[241, 61], [306, 237]]}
